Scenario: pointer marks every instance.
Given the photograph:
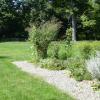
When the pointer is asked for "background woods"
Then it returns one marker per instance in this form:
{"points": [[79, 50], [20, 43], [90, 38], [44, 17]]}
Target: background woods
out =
{"points": [[82, 16]]}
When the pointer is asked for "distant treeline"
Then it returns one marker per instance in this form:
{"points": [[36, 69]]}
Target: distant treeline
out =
{"points": [[18, 15]]}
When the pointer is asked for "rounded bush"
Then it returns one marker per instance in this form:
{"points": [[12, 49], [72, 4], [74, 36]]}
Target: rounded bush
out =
{"points": [[64, 52], [59, 50]]}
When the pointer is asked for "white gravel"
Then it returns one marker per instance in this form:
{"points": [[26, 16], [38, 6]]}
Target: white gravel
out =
{"points": [[61, 79]]}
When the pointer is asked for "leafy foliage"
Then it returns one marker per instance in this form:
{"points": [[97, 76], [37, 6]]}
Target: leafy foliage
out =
{"points": [[86, 22], [53, 64], [69, 35], [17, 15], [78, 69], [87, 51], [42, 36], [53, 50], [59, 50], [14, 18], [73, 57]]}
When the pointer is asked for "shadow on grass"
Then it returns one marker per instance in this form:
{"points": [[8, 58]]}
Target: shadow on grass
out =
{"points": [[5, 57]]}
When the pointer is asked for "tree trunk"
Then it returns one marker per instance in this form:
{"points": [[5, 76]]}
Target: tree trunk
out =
{"points": [[73, 28]]}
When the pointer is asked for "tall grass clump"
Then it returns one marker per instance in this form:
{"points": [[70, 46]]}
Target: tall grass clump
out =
{"points": [[42, 36]]}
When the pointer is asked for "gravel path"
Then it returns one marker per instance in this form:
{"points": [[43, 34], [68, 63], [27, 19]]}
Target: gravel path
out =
{"points": [[60, 79]]}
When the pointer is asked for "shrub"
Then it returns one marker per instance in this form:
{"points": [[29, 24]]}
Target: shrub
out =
{"points": [[71, 57], [42, 36], [96, 45], [64, 52], [75, 54], [83, 50], [59, 50], [78, 69], [35, 57], [75, 66], [54, 64], [87, 51], [53, 50], [69, 35], [32, 33]]}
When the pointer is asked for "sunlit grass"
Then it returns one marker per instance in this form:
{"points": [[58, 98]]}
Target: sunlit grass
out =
{"points": [[18, 85]]}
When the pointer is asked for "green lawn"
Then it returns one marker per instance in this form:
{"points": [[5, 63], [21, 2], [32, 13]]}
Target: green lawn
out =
{"points": [[18, 85]]}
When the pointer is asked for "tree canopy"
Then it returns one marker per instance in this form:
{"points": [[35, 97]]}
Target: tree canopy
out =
{"points": [[83, 16]]}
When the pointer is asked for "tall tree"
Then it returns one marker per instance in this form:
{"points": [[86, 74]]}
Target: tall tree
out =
{"points": [[71, 9], [96, 15], [40, 11]]}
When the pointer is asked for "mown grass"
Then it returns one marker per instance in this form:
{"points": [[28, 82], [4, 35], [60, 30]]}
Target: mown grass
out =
{"points": [[15, 51], [18, 85]]}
